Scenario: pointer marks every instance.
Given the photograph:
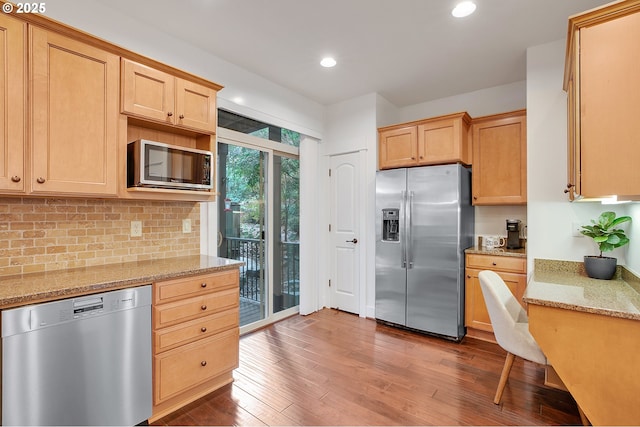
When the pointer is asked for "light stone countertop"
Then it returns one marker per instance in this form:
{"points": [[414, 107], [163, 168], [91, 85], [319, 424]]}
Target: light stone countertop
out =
{"points": [[33, 288], [564, 284], [480, 250]]}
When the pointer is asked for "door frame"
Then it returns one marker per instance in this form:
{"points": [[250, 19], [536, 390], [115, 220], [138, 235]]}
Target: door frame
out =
{"points": [[363, 240]]}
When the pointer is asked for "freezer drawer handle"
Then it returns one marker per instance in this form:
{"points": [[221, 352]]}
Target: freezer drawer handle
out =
{"points": [[354, 241]]}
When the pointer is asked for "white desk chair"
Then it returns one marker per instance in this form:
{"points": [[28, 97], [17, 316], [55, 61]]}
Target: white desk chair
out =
{"points": [[510, 326]]}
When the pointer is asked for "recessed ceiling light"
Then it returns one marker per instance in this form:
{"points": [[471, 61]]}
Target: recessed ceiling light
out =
{"points": [[463, 9], [328, 62]]}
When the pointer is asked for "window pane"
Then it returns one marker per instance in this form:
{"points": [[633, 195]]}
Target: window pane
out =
{"points": [[286, 290]]}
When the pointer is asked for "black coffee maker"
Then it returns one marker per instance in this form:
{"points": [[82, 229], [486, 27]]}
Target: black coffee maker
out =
{"points": [[513, 234]]}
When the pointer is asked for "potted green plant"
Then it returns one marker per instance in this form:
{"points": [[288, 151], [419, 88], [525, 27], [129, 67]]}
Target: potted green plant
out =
{"points": [[607, 236]]}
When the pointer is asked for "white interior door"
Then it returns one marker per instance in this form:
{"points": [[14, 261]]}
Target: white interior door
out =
{"points": [[344, 232]]}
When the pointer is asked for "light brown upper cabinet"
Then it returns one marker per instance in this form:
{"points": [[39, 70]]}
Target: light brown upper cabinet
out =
{"points": [[601, 80], [74, 120], [439, 140], [500, 159], [398, 147], [12, 104], [155, 95]]}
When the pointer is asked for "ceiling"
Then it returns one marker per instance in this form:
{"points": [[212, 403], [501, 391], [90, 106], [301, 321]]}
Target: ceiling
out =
{"points": [[408, 51]]}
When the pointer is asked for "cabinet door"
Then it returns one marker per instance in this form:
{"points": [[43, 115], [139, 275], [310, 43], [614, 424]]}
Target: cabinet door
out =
{"points": [[177, 370], [195, 106], [147, 92], [398, 148], [500, 161], [476, 314], [441, 141], [12, 104], [610, 107], [75, 116]]}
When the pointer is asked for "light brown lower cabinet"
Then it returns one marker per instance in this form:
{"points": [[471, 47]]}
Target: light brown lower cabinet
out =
{"points": [[195, 338], [511, 269]]}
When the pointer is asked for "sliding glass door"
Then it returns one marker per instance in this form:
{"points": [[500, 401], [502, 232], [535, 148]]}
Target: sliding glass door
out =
{"points": [[258, 215]]}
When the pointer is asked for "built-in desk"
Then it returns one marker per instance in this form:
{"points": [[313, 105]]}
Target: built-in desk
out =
{"points": [[589, 330]]}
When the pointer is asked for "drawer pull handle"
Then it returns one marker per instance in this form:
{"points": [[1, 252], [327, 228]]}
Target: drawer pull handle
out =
{"points": [[494, 263], [203, 285], [169, 114], [203, 329], [181, 116], [40, 180], [203, 363], [203, 307], [15, 178]]}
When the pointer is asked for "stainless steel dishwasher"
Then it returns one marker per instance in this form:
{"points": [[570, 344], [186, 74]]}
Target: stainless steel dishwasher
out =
{"points": [[78, 361]]}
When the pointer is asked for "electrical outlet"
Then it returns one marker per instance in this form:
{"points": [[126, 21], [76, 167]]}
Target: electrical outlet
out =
{"points": [[186, 226], [575, 230], [136, 228]]}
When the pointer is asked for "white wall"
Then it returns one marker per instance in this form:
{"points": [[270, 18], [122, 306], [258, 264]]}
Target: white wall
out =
{"points": [[484, 102], [550, 215], [351, 127]]}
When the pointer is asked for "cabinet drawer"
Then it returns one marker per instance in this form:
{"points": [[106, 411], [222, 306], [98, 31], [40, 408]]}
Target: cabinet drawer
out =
{"points": [[179, 369], [172, 290], [502, 263], [192, 308], [184, 333]]}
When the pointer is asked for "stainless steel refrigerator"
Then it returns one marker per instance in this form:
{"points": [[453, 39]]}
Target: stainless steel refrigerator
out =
{"points": [[424, 222]]}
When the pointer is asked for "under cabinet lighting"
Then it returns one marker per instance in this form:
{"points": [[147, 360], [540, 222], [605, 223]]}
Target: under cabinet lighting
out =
{"points": [[463, 9]]}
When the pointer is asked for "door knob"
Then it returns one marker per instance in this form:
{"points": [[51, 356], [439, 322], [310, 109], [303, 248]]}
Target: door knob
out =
{"points": [[354, 241]]}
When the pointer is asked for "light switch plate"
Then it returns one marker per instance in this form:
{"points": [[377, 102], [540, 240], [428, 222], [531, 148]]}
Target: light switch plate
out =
{"points": [[186, 225], [136, 228]]}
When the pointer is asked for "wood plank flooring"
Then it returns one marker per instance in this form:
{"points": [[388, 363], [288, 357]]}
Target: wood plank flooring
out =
{"points": [[334, 368]]}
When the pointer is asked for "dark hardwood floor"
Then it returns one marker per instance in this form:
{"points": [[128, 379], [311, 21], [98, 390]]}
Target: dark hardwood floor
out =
{"points": [[334, 368]]}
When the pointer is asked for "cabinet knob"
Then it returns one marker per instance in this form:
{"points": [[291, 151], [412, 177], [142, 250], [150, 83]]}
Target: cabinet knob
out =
{"points": [[203, 285], [40, 180], [203, 363], [15, 178], [468, 277], [203, 329], [203, 307], [169, 114], [181, 116], [475, 197], [494, 264]]}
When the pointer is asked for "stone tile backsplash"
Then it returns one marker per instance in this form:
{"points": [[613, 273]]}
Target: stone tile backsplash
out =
{"points": [[42, 234]]}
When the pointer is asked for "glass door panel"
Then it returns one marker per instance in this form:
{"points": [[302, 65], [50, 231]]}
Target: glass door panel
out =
{"points": [[286, 274], [242, 223]]}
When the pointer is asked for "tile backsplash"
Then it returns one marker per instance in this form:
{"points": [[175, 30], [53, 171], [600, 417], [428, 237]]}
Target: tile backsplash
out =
{"points": [[41, 234]]}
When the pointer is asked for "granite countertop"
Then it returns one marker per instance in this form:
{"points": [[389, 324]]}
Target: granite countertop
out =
{"points": [[481, 250], [564, 284], [47, 286]]}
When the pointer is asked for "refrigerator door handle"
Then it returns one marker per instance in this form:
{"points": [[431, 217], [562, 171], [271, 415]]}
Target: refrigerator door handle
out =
{"points": [[403, 230], [409, 227]]}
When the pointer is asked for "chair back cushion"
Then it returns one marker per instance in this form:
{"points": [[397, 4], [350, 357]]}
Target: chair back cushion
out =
{"points": [[508, 318]]}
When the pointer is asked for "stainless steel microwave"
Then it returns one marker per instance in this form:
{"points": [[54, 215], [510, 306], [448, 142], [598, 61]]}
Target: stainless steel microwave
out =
{"points": [[154, 164]]}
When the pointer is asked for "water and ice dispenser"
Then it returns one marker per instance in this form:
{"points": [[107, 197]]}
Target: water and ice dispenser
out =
{"points": [[391, 225]]}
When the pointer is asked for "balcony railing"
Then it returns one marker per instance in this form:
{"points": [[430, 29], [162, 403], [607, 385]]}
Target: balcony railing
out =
{"points": [[251, 252]]}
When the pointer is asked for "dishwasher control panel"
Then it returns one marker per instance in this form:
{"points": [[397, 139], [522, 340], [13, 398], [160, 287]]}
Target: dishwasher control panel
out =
{"points": [[33, 317]]}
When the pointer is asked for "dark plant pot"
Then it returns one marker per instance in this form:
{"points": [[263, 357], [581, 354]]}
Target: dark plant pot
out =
{"points": [[600, 267]]}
